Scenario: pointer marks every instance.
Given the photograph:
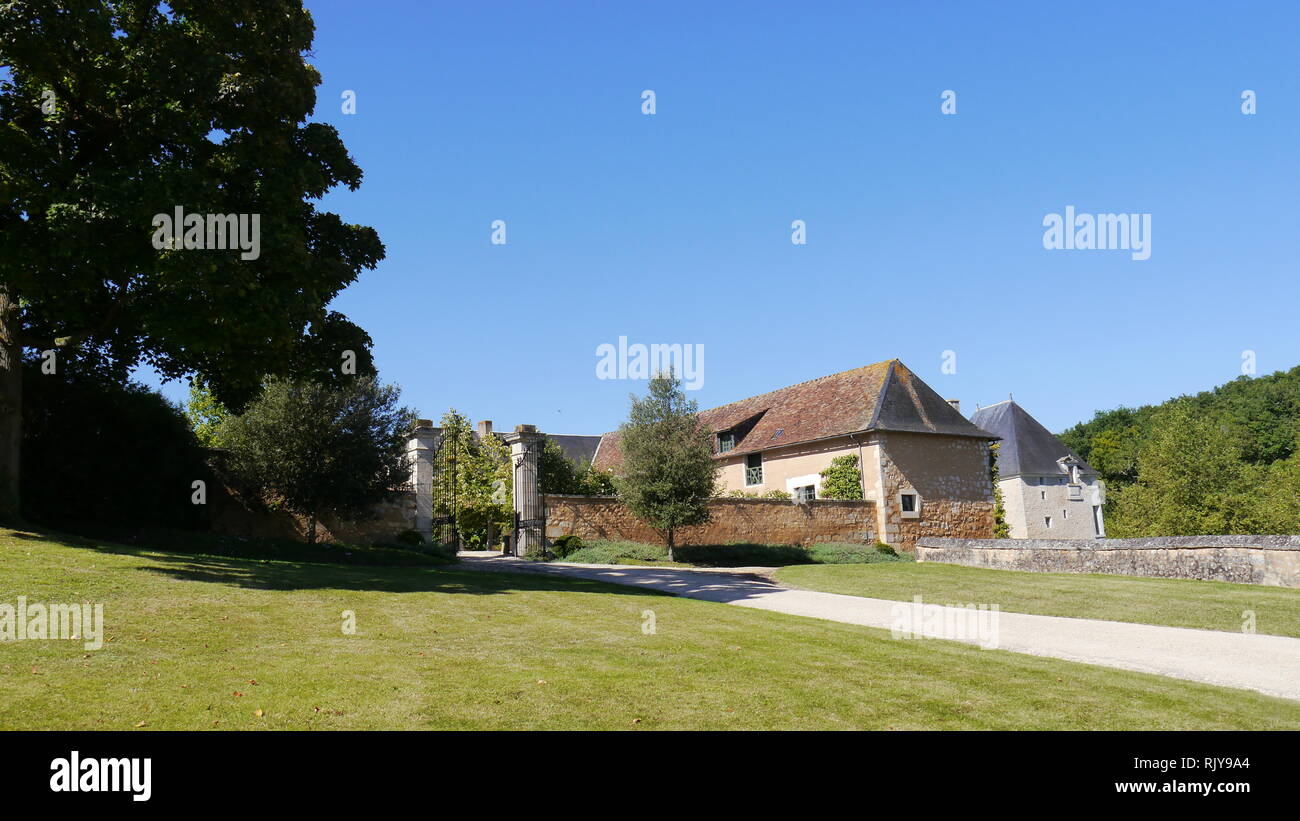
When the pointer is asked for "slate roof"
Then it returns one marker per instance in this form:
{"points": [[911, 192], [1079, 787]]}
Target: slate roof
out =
{"points": [[581, 449], [883, 396], [1027, 447]]}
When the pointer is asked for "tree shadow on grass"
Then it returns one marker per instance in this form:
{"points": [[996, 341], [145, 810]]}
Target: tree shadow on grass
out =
{"points": [[259, 574]]}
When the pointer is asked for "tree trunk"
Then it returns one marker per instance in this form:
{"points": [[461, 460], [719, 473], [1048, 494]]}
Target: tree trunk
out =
{"points": [[11, 409], [670, 544], [311, 530]]}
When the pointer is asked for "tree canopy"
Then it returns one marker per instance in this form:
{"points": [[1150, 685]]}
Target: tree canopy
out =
{"points": [[114, 112], [1221, 461], [318, 449]]}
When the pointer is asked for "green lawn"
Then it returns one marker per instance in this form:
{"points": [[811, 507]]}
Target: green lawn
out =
{"points": [[1174, 602], [200, 642]]}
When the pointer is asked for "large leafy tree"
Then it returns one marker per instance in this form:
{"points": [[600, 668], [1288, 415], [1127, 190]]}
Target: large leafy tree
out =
{"points": [[114, 111], [669, 472], [317, 450]]}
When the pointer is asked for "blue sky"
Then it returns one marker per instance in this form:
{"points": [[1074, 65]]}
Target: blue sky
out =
{"points": [[924, 231]]}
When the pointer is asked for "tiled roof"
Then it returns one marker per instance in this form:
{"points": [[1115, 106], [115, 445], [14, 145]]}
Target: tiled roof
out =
{"points": [[1027, 447], [883, 396]]}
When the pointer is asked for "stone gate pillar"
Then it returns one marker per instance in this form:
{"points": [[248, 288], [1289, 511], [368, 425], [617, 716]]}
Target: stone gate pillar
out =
{"points": [[420, 449], [530, 521]]}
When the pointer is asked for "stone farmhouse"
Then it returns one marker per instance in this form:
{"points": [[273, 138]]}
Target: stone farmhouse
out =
{"points": [[924, 466], [1048, 492]]}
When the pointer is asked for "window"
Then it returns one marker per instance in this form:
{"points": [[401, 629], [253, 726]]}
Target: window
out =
{"points": [[806, 493], [1065, 514], [726, 441], [1042, 494], [754, 469], [1047, 520], [909, 505], [1076, 493]]}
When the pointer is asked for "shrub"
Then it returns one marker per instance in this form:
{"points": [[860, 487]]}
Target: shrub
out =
{"points": [[411, 538], [843, 479], [565, 545], [738, 554], [840, 553], [99, 453], [602, 552]]}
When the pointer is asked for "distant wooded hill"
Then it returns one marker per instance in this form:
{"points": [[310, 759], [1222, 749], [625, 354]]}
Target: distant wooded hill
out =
{"points": [[1223, 461]]}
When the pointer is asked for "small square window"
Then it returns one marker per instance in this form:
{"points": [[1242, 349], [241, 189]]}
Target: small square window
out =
{"points": [[909, 504], [726, 441], [806, 493]]}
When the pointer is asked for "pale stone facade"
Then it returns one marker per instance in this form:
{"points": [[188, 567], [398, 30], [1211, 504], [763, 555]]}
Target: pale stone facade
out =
{"points": [[1048, 492], [1051, 507]]}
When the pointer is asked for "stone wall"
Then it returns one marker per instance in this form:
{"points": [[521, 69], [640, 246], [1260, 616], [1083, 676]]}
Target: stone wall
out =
{"points": [[231, 516], [950, 475], [763, 521], [1271, 560]]}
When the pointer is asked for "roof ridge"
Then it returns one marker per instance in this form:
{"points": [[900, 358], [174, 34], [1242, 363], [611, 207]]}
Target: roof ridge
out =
{"points": [[890, 362], [880, 397], [995, 404]]}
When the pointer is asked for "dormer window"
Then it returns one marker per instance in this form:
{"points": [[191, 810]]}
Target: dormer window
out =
{"points": [[726, 441]]}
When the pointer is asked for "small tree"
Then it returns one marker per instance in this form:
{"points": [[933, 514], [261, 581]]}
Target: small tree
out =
{"points": [[843, 479], [471, 481], [320, 450], [205, 413], [668, 468]]}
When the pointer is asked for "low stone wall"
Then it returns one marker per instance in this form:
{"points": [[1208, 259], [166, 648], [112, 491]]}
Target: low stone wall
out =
{"points": [[1271, 560], [763, 521]]}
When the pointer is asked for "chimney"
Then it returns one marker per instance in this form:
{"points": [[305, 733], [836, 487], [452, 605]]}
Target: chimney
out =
{"points": [[485, 428], [956, 404]]}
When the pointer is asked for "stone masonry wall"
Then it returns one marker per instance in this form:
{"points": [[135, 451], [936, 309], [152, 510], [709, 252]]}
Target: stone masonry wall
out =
{"points": [[951, 476], [229, 515], [764, 521], [1271, 560]]}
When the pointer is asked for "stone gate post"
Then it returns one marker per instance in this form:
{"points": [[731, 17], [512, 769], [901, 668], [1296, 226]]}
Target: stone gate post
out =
{"points": [[525, 449], [420, 449]]}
